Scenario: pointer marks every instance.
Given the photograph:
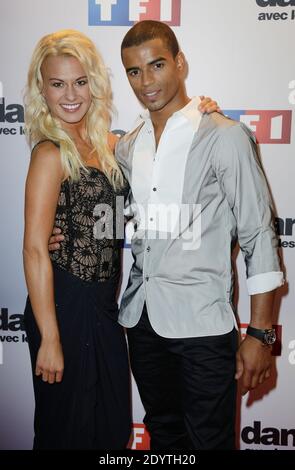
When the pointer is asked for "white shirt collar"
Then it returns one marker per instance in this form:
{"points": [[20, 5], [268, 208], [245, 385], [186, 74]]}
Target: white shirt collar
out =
{"points": [[189, 111]]}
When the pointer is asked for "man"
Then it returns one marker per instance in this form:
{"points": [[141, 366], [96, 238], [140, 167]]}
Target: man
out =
{"points": [[177, 306], [197, 189]]}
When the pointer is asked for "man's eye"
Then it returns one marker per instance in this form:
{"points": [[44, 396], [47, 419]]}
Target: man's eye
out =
{"points": [[159, 65], [133, 73]]}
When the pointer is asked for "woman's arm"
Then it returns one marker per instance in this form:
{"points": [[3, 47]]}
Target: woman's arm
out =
{"points": [[42, 191]]}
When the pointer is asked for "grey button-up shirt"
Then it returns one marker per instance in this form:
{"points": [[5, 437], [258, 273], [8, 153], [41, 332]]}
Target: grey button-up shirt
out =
{"points": [[193, 198]]}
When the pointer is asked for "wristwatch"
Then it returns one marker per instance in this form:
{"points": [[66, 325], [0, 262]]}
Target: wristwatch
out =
{"points": [[267, 336]]}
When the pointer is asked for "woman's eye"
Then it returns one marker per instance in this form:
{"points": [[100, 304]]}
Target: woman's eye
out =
{"points": [[57, 84], [81, 82]]}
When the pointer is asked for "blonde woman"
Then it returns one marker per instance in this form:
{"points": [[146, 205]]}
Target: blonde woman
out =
{"points": [[78, 350]]}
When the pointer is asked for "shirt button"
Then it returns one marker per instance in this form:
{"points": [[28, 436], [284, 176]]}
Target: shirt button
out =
{"points": [[148, 249], [154, 189], [151, 219], [147, 279]]}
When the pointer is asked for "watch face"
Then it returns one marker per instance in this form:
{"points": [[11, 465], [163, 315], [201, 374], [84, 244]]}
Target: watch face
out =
{"points": [[270, 336]]}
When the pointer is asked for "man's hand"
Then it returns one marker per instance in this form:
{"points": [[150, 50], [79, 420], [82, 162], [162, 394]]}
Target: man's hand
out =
{"points": [[253, 363], [55, 238], [207, 105]]}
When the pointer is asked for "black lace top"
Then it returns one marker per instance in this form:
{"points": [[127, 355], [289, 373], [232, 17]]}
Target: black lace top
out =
{"points": [[90, 215]]}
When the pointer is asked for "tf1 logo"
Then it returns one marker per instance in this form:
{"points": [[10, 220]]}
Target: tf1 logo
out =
{"points": [[128, 12], [270, 127]]}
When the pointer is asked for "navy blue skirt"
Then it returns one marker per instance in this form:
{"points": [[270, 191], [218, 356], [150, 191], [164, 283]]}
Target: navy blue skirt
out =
{"points": [[91, 407]]}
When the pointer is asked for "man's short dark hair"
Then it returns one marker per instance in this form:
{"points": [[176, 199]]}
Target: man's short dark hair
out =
{"points": [[148, 30]]}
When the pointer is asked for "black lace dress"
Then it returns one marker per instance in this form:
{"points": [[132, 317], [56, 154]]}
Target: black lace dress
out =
{"points": [[90, 408]]}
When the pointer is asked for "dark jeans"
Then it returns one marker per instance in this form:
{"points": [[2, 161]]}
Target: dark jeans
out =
{"points": [[187, 387]]}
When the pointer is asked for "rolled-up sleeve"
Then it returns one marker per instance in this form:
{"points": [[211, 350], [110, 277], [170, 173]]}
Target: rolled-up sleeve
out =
{"points": [[242, 180]]}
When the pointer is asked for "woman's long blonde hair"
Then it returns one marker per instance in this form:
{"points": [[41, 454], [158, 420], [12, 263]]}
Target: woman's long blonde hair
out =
{"points": [[39, 122]]}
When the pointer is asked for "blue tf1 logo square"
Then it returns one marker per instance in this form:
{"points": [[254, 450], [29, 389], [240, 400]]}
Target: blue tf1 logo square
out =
{"points": [[128, 12]]}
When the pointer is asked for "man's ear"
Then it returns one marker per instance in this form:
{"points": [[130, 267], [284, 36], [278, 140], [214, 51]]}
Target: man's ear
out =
{"points": [[180, 60]]}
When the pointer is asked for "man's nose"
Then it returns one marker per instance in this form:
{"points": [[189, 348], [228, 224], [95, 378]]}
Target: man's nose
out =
{"points": [[147, 78]]}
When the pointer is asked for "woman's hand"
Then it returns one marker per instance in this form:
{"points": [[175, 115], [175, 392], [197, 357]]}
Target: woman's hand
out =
{"points": [[207, 105], [50, 361]]}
